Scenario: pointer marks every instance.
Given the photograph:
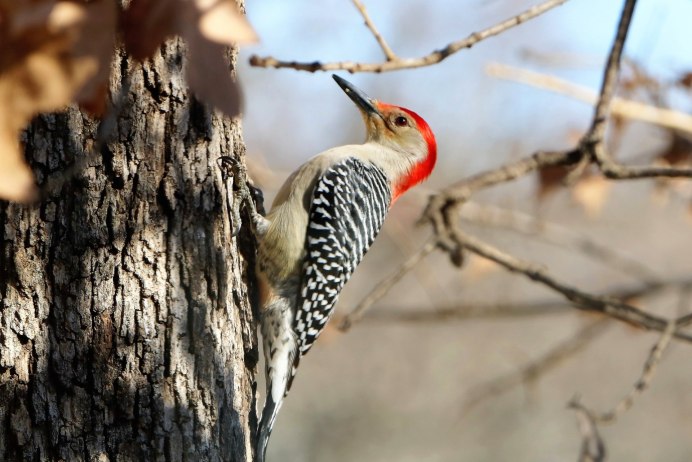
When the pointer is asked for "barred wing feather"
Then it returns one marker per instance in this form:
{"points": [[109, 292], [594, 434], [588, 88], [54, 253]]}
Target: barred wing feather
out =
{"points": [[349, 204]]}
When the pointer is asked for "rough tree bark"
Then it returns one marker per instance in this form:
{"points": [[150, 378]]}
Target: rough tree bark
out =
{"points": [[125, 327]]}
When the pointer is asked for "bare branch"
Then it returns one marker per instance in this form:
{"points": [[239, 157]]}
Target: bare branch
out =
{"points": [[410, 63], [385, 286], [592, 446], [636, 110], [391, 56], [592, 143], [685, 295], [440, 212], [588, 420], [610, 77], [442, 208], [616, 171], [606, 305], [644, 380], [533, 371], [468, 310], [462, 191], [484, 310], [398, 231]]}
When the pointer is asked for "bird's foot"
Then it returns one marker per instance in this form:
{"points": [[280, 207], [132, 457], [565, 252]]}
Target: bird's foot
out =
{"points": [[243, 193]]}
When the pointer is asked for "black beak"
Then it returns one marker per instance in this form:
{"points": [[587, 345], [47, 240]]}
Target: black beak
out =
{"points": [[362, 100]]}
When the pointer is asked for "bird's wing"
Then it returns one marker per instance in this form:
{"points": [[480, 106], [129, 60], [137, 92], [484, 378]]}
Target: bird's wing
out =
{"points": [[349, 204]]}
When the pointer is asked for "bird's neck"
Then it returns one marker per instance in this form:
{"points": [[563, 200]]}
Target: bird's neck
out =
{"points": [[417, 173]]}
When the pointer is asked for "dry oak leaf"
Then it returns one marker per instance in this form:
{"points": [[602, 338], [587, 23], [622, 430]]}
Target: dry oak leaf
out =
{"points": [[49, 56], [207, 26]]}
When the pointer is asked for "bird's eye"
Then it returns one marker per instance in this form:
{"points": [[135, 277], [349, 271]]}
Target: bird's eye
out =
{"points": [[401, 121]]}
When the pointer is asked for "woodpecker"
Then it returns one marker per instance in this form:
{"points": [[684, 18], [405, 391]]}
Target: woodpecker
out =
{"points": [[323, 220]]}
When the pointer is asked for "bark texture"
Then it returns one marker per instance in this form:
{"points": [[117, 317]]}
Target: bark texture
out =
{"points": [[126, 331]]}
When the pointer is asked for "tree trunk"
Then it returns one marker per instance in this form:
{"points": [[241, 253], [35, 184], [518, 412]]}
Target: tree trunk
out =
{"points": [[126, 331]]}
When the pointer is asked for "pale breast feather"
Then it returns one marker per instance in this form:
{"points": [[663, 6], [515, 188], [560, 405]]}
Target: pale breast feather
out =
{"points": [[349, 204]]}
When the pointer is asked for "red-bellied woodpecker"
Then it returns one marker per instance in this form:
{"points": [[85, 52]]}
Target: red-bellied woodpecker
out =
{"points": [[322, 222]]}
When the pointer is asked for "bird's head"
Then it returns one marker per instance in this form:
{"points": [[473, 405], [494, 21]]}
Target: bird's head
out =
{"points": [[400, 129]]}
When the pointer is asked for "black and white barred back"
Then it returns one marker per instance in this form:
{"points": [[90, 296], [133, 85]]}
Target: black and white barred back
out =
{"points": [[349, 205]]}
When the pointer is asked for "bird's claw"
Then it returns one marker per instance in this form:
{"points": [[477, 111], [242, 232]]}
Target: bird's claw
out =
{"points": [[233, 170]]}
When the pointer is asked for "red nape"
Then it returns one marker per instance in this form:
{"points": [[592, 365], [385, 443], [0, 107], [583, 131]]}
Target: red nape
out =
{"points": [[423, 169]]}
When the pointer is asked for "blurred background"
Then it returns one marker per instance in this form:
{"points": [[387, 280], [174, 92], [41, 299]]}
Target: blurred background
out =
{"points": [[433, 371]]}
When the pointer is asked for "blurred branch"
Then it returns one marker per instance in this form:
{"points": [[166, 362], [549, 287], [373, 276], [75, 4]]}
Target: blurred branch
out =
{"points": [[391, 56], [609, 306], [395, 63], [611, 74], [468, 310], [488, 215], [667, 118], [592, 144], [425, 274], [534, 370], [442, 210], [644, 380], [464, 189], [685, 296], [383, 287], [592, 446], [471, 310]]}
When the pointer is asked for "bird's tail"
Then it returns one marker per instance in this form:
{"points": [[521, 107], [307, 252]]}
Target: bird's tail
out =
{"points": [[271, 409], [279, 350]]}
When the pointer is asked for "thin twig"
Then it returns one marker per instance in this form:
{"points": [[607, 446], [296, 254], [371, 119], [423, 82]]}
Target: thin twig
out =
{"points": [[610, 77], [426, 275], [685, 295], [636, 110], [593, 142], [533, 371], [644, 380], [441, 209], [385, 286], [388, 52], [592, 446], [606, 305], [617, 171], [462, 191], [467, 311], [410, 63], [484, 310]]}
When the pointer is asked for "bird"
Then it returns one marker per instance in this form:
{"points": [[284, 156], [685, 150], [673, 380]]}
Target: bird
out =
{"points": [[320, 225]]}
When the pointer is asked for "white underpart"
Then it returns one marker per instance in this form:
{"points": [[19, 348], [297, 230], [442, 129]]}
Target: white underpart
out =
{"points": [[277, 325]]}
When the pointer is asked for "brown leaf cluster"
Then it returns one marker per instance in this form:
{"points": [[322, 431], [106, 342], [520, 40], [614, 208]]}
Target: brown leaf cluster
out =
{"points": [[48, 58], [57, 52]]}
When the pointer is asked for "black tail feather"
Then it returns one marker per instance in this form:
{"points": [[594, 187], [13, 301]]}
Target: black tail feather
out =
{"points": [[271, 409]]}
